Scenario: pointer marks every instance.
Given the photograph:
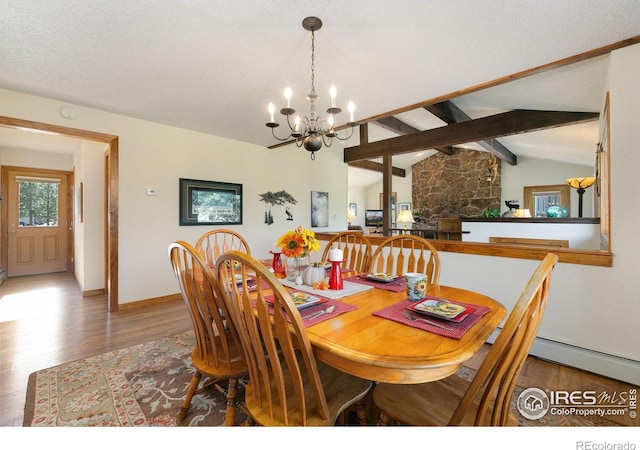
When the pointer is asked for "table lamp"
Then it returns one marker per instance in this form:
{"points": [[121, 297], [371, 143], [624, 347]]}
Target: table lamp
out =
{"points": [[580, 184], [350, 216], [522, 213], [405, 217]]}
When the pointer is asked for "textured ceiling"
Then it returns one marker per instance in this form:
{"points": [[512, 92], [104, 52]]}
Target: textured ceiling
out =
{"points": [[213, 66]]}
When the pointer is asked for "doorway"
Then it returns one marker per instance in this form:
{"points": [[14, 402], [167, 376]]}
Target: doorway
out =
{"points": [[40, 221], [111, 213]]}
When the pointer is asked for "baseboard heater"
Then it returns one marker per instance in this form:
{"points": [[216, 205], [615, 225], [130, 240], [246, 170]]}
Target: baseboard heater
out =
{"points": [[611, 366]]}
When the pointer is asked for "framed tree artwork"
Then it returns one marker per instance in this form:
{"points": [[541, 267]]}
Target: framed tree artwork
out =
{"points": [[210, 203]]}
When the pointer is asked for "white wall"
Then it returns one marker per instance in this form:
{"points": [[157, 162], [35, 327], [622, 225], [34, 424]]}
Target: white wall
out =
{"points": [[580, 236], [539, 172], [156, 156], [90, 245], [358, 195], [25, 158]]}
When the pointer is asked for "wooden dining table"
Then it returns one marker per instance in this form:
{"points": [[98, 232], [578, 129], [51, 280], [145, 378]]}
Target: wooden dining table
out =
{"points": [[362, 343], [378, 349]]}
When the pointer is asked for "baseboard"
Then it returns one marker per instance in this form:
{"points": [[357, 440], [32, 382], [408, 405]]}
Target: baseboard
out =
{"points": [[149, 301], [618, 368], [93, 293]]}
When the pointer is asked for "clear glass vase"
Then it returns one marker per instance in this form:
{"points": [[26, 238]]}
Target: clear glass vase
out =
{"points": [[296, 266]]}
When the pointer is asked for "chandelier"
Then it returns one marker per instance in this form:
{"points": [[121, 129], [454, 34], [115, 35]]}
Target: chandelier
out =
{"points": [[312, 130]]}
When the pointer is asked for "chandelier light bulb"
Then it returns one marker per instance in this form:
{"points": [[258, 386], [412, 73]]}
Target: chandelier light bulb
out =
{"points": [[287, 96], [332, 94], [313, 129], [351, 107], [272, 109]]}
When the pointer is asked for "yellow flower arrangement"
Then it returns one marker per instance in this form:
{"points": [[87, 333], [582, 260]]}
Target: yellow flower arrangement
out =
{"points": [[298, 242]]}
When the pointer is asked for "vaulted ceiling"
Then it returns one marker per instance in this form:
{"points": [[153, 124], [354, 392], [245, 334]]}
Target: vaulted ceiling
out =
{"points": [[213, 66]]}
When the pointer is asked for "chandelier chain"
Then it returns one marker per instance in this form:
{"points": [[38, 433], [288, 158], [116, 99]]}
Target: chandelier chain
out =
{"points": [[313, 62], [311, 131]]}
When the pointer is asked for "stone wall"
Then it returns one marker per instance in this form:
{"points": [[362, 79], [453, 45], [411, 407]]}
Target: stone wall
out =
{"points": [[455, 185]]}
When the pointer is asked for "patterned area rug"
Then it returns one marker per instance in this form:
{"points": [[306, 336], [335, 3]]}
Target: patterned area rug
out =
{"points": [[145, 385]]}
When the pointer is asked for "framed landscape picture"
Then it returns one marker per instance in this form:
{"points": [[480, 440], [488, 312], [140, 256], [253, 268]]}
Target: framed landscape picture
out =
{"points": [[210, 202], [404, 206]]}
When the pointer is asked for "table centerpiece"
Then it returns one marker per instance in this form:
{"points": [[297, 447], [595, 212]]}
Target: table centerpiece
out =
{"points": [[296, 245]]}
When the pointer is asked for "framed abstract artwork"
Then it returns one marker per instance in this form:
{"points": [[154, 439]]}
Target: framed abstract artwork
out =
{"points": [[319, 209]]}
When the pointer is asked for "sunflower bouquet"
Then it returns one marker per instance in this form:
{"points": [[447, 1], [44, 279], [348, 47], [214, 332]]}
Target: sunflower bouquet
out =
{"points": [[298, 242]]}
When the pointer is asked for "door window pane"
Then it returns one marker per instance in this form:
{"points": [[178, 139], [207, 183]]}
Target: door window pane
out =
{"points": [[538, 199], [543, 200], [38, 203]]}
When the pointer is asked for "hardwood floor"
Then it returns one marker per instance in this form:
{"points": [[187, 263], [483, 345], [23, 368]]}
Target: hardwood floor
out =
{"points": [[44, 321]]}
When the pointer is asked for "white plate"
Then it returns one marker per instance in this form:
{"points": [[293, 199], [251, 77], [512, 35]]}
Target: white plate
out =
{"points": [[383, 277], [440, 308], [302, 299]]}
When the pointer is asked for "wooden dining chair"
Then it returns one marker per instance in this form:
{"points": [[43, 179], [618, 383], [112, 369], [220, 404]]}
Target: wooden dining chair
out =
{"points": [[286, 386], [218, 352], [407, 253], [355, 247], [487, 398], [215, 242]]}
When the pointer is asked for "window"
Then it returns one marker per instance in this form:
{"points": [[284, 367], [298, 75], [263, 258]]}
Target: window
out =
{"points": [[538, 198], [38, 200]]}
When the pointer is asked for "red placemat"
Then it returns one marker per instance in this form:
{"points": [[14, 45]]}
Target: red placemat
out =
{"points": [[397, 285], [339, 306], [251, 284], [395, 312]]}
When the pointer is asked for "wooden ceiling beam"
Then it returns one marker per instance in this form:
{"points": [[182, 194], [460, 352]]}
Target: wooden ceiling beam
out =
{"points": [[372, 165], [504, 124], [377, 167], [450, 113], [396, 125]]}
